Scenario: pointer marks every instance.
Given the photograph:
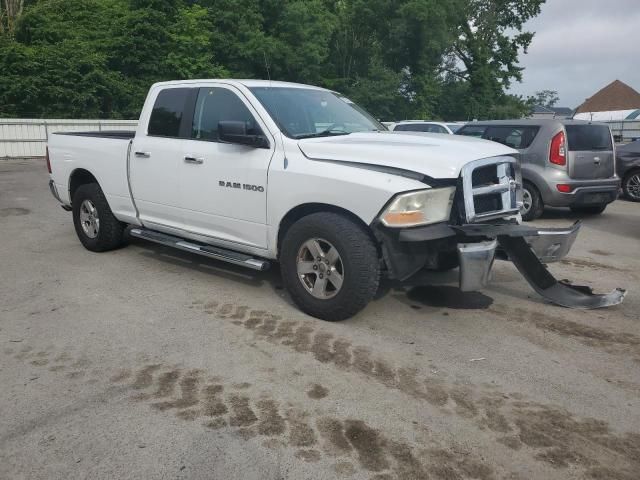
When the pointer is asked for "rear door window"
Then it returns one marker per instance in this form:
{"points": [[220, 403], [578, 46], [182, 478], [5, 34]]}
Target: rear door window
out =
{"points": [[472, 131], [517, 137], [168, 112], [588, 138], [219, 104]]}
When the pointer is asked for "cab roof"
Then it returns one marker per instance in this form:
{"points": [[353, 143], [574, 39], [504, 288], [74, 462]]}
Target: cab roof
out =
{"points": [[249, 83]]}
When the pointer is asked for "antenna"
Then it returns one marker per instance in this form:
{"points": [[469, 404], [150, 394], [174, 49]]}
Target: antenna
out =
{"points": [[275, 105], [266, 64]]}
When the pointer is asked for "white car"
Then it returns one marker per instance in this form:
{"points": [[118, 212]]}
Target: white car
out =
{"points": [[426, 126], [253, 172]]}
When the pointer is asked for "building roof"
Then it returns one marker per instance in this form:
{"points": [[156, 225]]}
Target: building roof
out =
{"points": [[541, 109], [615, 96], [565, 111]]}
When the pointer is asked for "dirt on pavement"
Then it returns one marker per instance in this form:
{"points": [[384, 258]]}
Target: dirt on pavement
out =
{"points": [[150, 363]]}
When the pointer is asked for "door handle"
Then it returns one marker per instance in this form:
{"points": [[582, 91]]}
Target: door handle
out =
{"points": [[142, 154], [190, 159]]}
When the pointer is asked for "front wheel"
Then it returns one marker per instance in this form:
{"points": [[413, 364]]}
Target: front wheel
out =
{"points": [[329, 265], [590, 210], [96, 226]]}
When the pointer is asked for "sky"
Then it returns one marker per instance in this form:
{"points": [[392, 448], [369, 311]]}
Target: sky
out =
{"points": [[581, 46]]}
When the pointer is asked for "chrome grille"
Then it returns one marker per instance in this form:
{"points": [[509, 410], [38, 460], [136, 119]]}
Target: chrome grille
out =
{"points": [[492, 188]]}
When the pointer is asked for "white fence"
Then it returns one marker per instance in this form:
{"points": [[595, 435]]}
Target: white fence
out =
{"points": [[625, 130], [28, 137]]}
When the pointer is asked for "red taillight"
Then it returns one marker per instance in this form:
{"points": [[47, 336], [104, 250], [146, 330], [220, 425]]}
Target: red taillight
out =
{"points": [[564, 188], [48, 161], [558, 151]]}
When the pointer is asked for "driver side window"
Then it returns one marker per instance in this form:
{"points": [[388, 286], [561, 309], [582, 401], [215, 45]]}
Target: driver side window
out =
{"points": [[217, 104]]}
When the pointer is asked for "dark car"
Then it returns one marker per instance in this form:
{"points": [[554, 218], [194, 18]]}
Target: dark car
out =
{"points": [[628, 168]]}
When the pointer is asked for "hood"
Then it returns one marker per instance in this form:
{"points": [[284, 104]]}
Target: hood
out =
{"points": [[432, 154]]}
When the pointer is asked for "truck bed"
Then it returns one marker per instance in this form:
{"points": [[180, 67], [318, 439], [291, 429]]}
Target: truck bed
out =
{"points": [[104, 155]]}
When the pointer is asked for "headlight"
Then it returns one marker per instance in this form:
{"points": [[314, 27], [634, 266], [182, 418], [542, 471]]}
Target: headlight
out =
{"points": [[419, 208]]}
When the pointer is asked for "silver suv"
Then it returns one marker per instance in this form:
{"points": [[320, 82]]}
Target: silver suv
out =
{"points": [[565, 163]]}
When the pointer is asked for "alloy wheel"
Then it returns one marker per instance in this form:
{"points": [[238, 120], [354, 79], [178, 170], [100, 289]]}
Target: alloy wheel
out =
{"points": [[320, 268], [633, 186], [526, 201], [89, 219]]}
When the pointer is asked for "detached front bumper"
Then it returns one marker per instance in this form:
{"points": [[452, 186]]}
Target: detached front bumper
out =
{"points": [[478, 245]]}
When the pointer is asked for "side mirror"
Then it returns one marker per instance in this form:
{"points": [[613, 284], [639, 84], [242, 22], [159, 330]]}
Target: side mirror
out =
{"points": [[232, 131]]}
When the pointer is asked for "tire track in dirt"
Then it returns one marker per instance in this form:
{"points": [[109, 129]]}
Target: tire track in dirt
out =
{"points": [[311, 435], [611, 342], [583, 263], [549, 434]]}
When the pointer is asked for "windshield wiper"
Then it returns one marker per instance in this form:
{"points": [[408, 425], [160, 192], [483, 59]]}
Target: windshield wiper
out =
{"points": [[324, 133]]}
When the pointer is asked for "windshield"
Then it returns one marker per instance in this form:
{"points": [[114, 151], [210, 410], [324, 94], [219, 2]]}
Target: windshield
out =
{"points": [[308, 113], [454, 127]]}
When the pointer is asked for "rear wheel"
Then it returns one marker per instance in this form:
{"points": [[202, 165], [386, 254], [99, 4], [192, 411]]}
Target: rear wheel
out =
{"points": [[590, 210], [532, 202], [631, 186], [329, 266], [96, 227]]}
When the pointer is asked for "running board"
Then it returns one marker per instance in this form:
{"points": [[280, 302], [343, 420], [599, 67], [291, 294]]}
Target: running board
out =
{"points": [[217, 253]]}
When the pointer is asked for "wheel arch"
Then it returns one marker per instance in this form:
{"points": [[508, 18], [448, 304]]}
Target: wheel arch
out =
{"points": [[531, 181], [537, 179], [78, 177], [631, 171], [300, 211]]}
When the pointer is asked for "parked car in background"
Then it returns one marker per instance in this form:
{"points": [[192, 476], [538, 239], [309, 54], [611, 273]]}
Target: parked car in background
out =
{"points": [[425, 126], [628, 169], [565, 163]]}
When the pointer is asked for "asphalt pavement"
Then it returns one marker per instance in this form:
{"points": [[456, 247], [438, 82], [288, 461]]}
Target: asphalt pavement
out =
{"points": [[149, 363]]}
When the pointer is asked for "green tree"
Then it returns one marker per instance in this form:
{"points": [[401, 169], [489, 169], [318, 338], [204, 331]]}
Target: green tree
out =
{"points": [[489, 37], [378, 42], [10, 11], [99, 57], [398, 58], [190, 54], [57, 65], [545, 98]]}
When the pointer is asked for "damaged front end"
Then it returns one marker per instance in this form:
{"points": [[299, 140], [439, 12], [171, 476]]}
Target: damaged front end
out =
{"points": [[485, 226], [529, 249]]}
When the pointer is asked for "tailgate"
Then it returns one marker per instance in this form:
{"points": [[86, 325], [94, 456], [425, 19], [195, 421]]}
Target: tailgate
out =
{"points": [[590, 151]]}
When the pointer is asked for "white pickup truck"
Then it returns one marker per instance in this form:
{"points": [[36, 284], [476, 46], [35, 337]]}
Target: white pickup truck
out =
{"points": [[252, 172]]}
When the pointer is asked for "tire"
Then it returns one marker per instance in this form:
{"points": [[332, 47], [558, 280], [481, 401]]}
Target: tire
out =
{"points": [[531, 196], [357, 266], [109, 232], [590, 210], [631, 186]]}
